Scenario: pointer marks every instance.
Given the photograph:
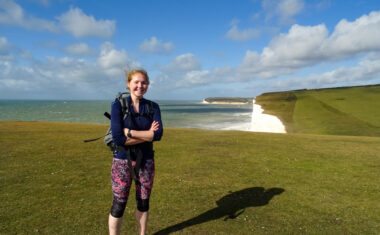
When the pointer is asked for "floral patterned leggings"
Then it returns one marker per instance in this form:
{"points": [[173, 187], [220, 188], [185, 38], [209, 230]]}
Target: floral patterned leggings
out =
{"points": [[122, 179]]}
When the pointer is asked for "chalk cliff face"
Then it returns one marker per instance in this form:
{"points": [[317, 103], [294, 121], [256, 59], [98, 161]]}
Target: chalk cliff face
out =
{"points": [[228, 100], [264, 122]]}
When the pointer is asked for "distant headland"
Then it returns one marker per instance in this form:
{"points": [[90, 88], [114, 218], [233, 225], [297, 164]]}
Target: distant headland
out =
{"points": [[228, 100]]}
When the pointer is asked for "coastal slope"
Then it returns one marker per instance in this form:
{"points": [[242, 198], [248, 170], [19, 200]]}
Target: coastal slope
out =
{"points": [[336, 111]]}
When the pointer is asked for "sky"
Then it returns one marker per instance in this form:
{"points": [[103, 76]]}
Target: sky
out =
{"points": [[79, 49]]}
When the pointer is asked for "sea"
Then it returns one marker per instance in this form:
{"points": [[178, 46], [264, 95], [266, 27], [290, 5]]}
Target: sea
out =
{"points": [[174, 113]]}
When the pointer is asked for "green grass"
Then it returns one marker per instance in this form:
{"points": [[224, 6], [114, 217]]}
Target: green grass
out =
{"points": [[338, 111], [207, 182]]}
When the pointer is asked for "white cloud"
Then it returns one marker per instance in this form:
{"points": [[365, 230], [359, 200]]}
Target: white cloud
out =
{"points": [[26, 54], [79, 24], [305, 46], [185, 71], [6, 49], [181, 79], [44, 3], [114, 61], [286, 53], [241, 34], [289, 8], [153, 45], [195, 78], [190, 75], [350, 38], [66, 75], [367, 70], [184, 62], [284, 10], [49, 44], [12, 14], [74, 21], [80, 49], [300, 47], [4, 45], [323, 4]]}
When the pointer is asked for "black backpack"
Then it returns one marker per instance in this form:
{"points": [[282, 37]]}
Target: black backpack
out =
{"points": [[122, 98]]}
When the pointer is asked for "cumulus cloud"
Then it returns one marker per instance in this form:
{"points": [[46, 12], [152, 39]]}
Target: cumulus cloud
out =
{"points": [[305, 46], [301, 47], [181, 79], [183, 71], [192, 78], [4, 45], [49, 44], [350, 38], [367, 70], [101, 77], [44, 3], [241, 34], [26, 54], [155, 46], [184, 62], [289, 8], [5, 50], [284, 10], [79, 24], [51, 72], [113, 61], [74, 21], [12, 14], [79, 49], [324, 4], [286, 53]]}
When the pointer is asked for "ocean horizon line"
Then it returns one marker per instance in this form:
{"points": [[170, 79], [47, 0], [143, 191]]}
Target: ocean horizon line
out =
{"points": [[174, 113]]}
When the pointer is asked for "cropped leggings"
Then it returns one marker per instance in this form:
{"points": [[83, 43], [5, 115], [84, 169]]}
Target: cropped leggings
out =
{"points": [[121, 184]]}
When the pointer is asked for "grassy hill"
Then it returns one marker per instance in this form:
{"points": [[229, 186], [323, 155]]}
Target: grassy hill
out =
{"points": [[337, 111], [207, 182]]}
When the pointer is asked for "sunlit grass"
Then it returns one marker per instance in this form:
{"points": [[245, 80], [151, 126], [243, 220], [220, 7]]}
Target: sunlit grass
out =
{"points": [[207, 182]]}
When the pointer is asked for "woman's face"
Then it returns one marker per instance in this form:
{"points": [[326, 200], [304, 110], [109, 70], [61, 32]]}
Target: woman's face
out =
{"points": [[138, 86]]}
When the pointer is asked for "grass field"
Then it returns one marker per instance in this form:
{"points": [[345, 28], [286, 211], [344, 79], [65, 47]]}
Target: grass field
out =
{"points": [[338, 111], [207, 182]]}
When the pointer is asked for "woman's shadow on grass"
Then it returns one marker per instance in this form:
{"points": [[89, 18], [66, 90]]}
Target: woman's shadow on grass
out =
{"points": [[230, 206]]}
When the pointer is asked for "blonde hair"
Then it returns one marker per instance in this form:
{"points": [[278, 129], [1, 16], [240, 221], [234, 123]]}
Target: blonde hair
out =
{"points": [[129, 75]]}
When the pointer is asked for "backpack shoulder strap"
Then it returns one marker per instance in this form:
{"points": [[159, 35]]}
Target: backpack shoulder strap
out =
{"points": [[122, 97], [149, 106]]}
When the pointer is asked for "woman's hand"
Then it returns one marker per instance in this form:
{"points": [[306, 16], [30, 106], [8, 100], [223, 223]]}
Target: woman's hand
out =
{"points": [[154, 126]]}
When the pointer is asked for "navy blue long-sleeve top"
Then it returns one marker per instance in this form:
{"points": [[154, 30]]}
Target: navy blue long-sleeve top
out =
{"points": [[140, 122]]}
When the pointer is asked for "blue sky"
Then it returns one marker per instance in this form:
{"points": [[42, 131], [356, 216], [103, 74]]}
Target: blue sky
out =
{"points": [[77, 49]]}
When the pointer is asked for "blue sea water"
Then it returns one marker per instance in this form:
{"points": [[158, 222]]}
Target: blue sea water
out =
{"points": [[177, 114]]}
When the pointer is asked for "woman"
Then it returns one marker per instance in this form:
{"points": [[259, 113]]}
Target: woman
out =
{"points": [[136, 133]]}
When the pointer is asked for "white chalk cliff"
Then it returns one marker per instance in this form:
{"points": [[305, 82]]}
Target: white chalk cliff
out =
{"points": [[264, 122]]}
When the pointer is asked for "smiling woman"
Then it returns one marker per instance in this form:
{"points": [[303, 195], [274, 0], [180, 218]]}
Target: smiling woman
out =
{"points": [[134, 129], [137, 83]]}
